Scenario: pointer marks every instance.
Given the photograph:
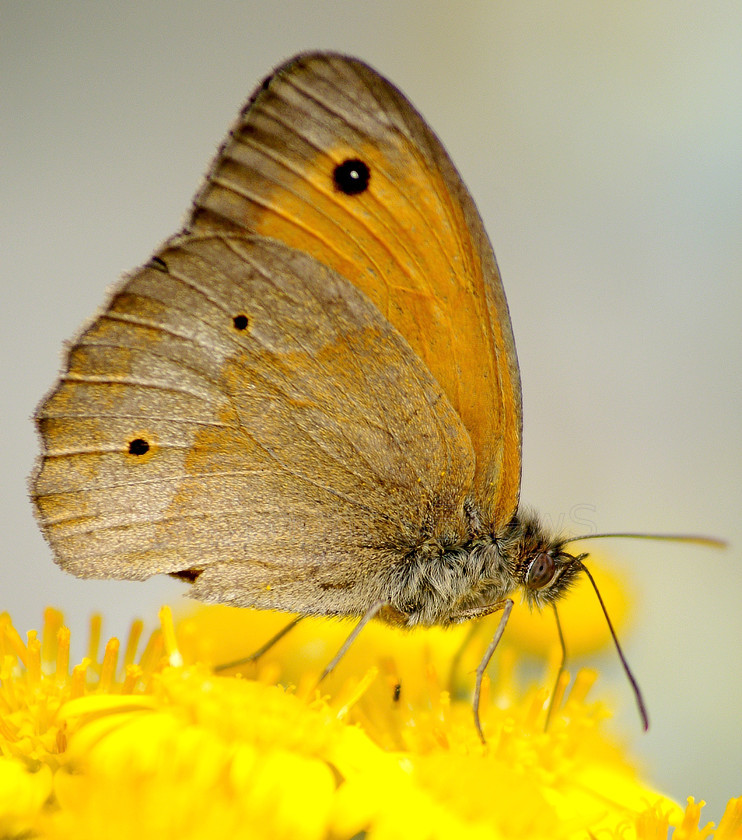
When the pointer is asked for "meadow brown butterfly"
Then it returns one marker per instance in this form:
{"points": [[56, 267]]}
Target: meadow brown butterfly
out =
{"points": [[309, 399]]}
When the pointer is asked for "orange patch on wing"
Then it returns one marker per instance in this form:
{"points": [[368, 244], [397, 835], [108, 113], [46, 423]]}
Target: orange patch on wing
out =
{"points": [[405, 243]]}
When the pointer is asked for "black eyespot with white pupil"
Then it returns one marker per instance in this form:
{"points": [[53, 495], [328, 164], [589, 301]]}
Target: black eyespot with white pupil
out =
{"points": [[138, 446], [352, 176], [541, 571]]}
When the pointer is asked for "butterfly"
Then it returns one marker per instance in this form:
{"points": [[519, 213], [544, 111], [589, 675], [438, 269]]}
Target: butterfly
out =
{"points": [[309, 399]]}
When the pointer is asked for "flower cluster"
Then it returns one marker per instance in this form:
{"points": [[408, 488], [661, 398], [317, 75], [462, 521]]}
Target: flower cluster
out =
{"points": [[159, 745]]}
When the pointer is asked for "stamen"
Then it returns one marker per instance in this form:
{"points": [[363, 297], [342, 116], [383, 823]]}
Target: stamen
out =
{"points": [[12, 642], [77, 683], [33, 664], [584, 681], [133, 673], [535, 708], [132, 642], [52, 622], [168, 635], [151, 655], [108, 667], [96, 621], [63, 653], [353, 693]]}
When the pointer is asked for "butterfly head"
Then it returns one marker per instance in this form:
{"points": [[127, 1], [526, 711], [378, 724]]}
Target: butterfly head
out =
{"points": [[540, 564], [547, 575]]}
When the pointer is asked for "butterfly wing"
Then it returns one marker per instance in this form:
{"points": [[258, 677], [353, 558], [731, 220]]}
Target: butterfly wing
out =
{"points": [[410, 238], [242, 412]]}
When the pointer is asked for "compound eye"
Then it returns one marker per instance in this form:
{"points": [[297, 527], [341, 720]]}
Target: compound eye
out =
{"points": [[541, 571]]}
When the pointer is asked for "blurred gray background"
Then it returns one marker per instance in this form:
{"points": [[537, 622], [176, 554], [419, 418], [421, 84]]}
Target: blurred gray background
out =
{"points": [[603, 145]]}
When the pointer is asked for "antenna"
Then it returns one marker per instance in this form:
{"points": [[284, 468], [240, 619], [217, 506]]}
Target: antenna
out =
{"points": [[634, 684], [694, 539]]}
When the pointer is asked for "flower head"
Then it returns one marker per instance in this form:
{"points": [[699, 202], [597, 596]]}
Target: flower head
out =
{"points": [[158, 745]]}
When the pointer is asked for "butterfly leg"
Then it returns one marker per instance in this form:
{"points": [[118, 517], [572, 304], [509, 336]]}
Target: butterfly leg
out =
{"points": [[562, 664], [507, 607], [367, 616], [459, 618], [263, 648]]}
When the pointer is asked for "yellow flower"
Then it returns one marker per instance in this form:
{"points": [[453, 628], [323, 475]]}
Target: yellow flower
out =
{"points": [[158, 746]]}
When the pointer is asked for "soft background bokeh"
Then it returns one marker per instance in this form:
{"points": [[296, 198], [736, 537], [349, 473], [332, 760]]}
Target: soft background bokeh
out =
{"points": [[602, 142]]}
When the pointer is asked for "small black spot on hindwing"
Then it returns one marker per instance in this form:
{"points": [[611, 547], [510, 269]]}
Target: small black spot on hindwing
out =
{"points": [[138, 446]]}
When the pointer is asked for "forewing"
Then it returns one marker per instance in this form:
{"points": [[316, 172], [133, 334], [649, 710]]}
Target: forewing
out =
{"points": [[413, 240]]}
